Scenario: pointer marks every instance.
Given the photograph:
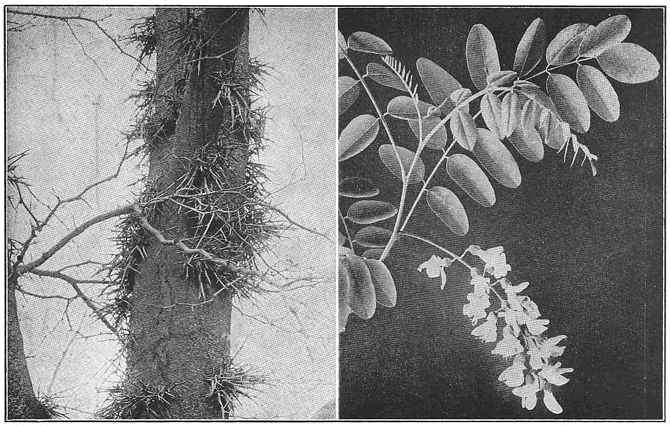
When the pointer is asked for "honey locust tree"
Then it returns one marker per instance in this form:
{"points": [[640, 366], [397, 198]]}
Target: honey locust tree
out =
{"points": [[188, 245]]}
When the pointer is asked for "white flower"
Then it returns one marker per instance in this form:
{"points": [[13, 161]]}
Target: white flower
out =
{"points": [[513, 319], [548, 348], [535, 358], [554, 374], [551, 403], [509, 345], [480, 283], [488, 330], [530, 307], [528, 393], [537, 326], [495, 260], [435, 268], [476, 308], [513, 375]]}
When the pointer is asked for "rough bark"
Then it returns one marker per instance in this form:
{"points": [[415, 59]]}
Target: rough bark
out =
{"points": [[21, 400], [181, 346]]}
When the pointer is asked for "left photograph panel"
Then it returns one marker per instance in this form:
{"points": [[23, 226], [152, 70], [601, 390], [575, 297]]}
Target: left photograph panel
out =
{"points": [[170, 182]]}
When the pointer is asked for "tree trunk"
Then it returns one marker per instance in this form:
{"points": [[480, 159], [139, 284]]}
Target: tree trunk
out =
{"points": [[21, 400], [172, 346]]}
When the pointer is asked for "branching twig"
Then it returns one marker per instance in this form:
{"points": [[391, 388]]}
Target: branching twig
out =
{"points": [[74, 284], [28, 267], [67, 19]]}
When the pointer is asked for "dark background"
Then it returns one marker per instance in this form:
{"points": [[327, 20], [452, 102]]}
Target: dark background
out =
{"points": [[591, 247]]}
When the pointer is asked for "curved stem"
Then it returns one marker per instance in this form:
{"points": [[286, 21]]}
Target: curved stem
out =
{"points": [[380, 115], [346, 229], [403, 195], [437, 166], [548, 69], [425, 185], [439, 247], [455, 258]]}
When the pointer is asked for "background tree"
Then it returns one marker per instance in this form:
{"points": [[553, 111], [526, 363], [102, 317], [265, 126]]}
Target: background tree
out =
{"points": [[197, 114]]}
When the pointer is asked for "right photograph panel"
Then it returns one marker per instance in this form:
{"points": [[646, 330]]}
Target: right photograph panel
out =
{"points": [[501, 190]]}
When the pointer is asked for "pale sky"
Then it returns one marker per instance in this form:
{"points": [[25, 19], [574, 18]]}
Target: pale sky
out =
{"points": [[52, 89]]}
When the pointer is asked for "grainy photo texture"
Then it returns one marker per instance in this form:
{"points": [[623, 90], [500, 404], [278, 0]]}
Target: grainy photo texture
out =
{"points": [[166, 252], [501, 213]]}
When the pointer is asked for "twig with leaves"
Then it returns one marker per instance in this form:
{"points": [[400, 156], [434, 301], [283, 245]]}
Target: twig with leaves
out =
{"points": [[512, 108]]}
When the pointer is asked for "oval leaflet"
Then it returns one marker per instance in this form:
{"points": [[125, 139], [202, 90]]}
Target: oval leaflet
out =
{"points": [[448, 208]]}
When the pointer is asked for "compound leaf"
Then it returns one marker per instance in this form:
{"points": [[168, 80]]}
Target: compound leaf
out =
{"points": [[629, 63], [384, 76], [448, 208], [599, 93], [403, 108], [530, 50], [565, 46], [388, 157], [497, 159], [463, 128], [344, 293], [365, 212], [606, 34], [481, 55], [491, 109], [438, 82], [348, 90], [362, 41], [357, 187], [357, 136], [362, 298], [527, 141], [342, 45], [438, 140], [570, 102], [510, 113], [382, 279], [471, 179], [372, 236]]}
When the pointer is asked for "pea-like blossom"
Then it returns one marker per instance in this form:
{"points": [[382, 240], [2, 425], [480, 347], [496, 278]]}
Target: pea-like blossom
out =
{"points": [[554, 374], [494, 259], [533, 367], [513, 375], [476, 307], [435, 267], [551, 403], [509, 345], [537, 326], [488, 330], [528, 392]]}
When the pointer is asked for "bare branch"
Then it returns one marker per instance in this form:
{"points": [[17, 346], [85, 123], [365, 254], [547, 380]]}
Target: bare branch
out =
{"points": [[293, 222], [187, 250], [39, 225], [67, 19], [28, 267], [44, 296], [74, 284], [84, 52]]}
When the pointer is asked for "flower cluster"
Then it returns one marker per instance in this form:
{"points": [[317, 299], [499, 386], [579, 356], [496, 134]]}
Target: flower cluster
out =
{"points": [[522, 336]]}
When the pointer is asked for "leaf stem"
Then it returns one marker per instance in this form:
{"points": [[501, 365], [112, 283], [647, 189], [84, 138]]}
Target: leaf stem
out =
{"points": [[439, 247], [378, 110], [346, 229], [425, 185], [403, 195], [548, 69]]}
